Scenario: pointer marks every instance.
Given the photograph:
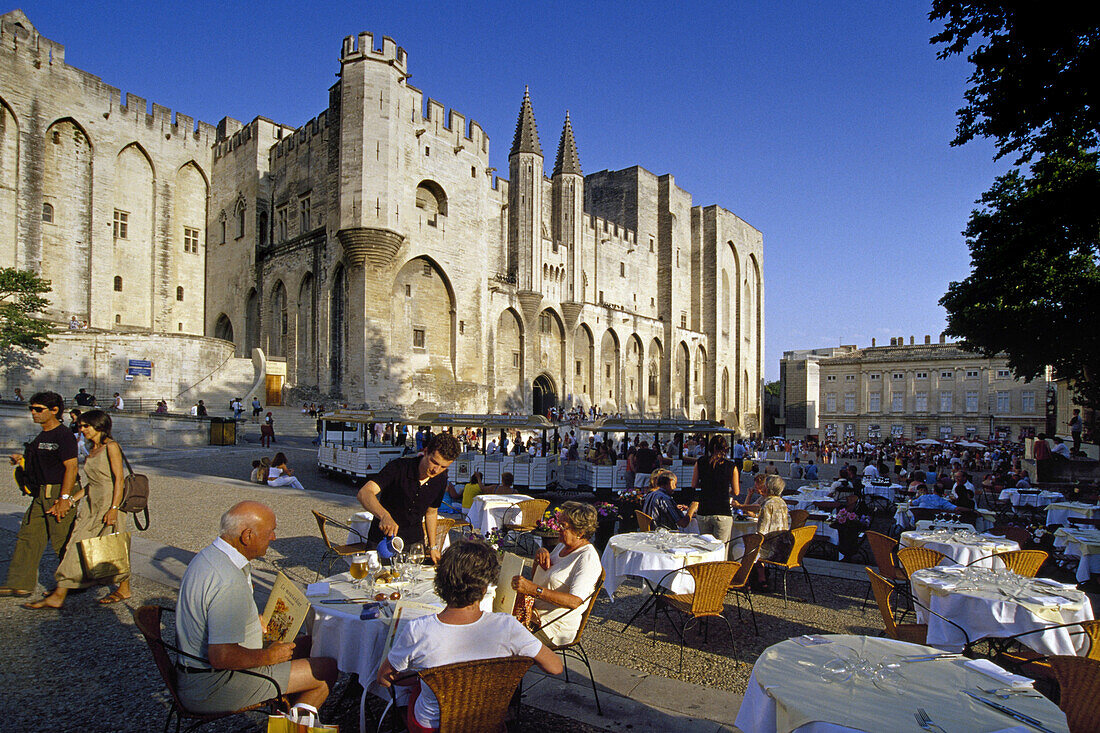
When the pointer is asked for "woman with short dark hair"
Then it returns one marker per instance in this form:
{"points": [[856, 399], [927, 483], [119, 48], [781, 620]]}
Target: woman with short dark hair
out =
{"points": [[460, 632]]}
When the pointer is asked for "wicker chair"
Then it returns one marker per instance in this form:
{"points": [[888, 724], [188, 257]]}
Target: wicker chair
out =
{"points": [[712, 581], [148, 621], [798, 518], [883, 589], [645, 522], [884, 549], [913, 559], [803, 536], [1079, 681], [1010, 652], [573, 648], [1017, 534], [740, 583], [335, 550], [531, 511], [443, 527], [473, 696], [1023, 562]]}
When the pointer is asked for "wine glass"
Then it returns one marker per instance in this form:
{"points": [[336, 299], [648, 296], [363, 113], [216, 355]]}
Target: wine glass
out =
{"points": [[415, 556], [837, 670]]}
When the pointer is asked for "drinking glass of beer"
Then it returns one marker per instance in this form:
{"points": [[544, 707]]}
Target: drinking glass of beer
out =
{"points": [[360, 566]]}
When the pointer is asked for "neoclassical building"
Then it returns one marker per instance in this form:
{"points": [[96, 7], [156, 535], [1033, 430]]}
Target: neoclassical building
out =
{"points": [[374, 249]]}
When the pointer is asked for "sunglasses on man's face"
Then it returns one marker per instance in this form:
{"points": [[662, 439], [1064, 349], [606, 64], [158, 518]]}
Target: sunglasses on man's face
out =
{"points": [[37, 408]]}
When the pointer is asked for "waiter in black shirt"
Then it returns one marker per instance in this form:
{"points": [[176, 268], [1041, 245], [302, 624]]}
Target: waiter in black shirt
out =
{"points": [[409, 490], [50, 467]]}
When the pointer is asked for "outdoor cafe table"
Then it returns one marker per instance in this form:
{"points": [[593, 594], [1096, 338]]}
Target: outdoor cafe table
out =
{"points": [[492, 511], [1059, 511], [961, 547], [1042, 498], [886, 491], [806, 497], [651, 555], [997, 604], [1084, 544], [786, 692], [357, 644], [360, 525]]}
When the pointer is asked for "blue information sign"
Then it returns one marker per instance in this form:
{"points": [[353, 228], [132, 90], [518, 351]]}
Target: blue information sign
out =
{"points": [[140, 367]]}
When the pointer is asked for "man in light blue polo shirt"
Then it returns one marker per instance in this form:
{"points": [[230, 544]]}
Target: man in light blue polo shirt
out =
{"points": [[217, 620]]}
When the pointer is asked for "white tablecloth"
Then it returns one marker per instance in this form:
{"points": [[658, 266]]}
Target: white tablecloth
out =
{"points": [[990, 611], [1043, 498], [1059, 511], [884, 490], [933, 685], [806, 497], [1084, 544], [741, 527], [961, 548], [492, 511], [637, 554], [357, 644]]}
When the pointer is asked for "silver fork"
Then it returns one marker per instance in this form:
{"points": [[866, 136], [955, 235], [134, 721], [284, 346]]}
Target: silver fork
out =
{"points": [[925, 722]]}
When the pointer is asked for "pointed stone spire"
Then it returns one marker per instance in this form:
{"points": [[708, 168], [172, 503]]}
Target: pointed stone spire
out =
{"points": [[527, 136], [568, 161]]}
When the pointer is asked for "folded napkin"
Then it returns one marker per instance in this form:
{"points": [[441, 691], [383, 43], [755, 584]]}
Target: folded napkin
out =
{"points": [[317, 589], [362, 517], [1005, 679]]}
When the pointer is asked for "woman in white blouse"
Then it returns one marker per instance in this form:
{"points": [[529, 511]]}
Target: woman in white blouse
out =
{"points": [[564, 579]]}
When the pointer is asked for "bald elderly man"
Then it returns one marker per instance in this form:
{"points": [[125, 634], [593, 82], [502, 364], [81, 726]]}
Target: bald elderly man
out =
{"points": [[217, 620]]}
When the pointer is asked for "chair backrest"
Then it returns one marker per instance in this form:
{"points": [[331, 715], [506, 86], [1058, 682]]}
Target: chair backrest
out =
{"points": [[1092, 630], [1023, 562], [913, 559], [322, 520], [531, 511], [474, 696], [748, 559], [645, 522], [589, 604], [712, 582], [798, 518], [1079, 680], [803, 536], [148, 619], [443, 527], [883, 589], [922, 513], [883, 549]]}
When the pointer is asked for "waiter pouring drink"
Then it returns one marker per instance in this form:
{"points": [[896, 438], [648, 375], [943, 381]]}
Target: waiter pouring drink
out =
{"points": [[405, 495]]}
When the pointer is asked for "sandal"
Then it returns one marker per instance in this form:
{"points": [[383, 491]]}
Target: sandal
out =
{"points": [[14, 592], [112, 597]]}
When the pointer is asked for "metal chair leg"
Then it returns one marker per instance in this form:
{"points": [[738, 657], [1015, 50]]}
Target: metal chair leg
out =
{"points": [[809, 583]]}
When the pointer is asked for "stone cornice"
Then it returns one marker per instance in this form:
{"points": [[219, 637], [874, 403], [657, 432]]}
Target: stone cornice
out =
{"points": [[379, 247]]}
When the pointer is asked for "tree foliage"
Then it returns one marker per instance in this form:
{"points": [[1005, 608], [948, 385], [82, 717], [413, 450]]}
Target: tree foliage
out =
{"points": [[1034, 288], [1035, 71], [21, 296], [1035, 241]]}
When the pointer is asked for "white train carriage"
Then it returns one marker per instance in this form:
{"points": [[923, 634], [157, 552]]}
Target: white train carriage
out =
{"points": [[347, 442]]}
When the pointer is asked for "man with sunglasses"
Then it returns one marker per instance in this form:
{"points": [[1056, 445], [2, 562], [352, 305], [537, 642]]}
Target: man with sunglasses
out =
{"points": [[50, 467]]}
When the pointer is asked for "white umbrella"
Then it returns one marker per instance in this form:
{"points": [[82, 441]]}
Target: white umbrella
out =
{"points": [[928, 441]]}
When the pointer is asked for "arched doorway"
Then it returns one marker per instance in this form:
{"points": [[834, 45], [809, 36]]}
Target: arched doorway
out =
{"points": [[223, 328], [544, 395]]}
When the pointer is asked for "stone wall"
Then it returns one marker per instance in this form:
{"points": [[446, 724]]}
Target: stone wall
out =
{"points": [[185, 369], [174, 431]]}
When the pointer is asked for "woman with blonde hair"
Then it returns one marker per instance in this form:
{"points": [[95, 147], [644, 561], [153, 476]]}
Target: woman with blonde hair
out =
{"points": [[774, 524], [98, 516]]}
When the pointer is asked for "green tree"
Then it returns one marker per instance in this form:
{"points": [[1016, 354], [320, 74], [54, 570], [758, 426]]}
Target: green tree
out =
{"points": [[20, 298], [772, 388], [1034, 246]]}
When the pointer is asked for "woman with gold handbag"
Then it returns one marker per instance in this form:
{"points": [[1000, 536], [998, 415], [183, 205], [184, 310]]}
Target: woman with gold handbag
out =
{"points": [[99, 533]]}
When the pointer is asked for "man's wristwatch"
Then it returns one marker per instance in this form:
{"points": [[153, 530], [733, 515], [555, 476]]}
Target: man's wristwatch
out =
{"points": [[67, 498], [538, 591]]}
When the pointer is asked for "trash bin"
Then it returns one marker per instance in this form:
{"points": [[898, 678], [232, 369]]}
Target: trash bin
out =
{"points": [[223, 431]]}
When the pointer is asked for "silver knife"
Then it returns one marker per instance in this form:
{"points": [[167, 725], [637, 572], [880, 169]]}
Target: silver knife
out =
{"points": [[339, 601], [1011, 713]]}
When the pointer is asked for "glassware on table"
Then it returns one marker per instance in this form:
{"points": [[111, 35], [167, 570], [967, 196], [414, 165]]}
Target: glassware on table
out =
{"points": [[837, 669], [415, 557], [359, 567]]}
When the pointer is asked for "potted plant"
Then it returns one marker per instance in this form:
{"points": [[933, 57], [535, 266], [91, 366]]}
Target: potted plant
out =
{"points": [[547, 528], [850, 527], [606, 513], [627, 503]]}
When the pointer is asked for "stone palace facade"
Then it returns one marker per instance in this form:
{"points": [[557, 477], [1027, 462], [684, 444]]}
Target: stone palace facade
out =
{"points": [[375, 250], [912, 391]]}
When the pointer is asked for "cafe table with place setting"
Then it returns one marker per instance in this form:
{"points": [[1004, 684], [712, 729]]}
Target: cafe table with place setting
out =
{"points": [[353, 617], [839, 684], [961, 546], [1082, 543], [1024, 497], [652, 555], [1060, 512], [999, 603], [493, 511]]}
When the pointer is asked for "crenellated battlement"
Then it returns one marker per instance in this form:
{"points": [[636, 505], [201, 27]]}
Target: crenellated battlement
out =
{"points": [[606, 230], [20, 39], [356, 48], [452, 126], [232, 134], [302, 136]]}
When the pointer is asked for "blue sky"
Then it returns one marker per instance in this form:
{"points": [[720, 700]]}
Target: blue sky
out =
{"points": [[823, 124]]}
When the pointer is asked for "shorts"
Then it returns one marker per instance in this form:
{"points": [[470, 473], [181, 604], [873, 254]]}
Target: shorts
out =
{"points": [[222, 690]]}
